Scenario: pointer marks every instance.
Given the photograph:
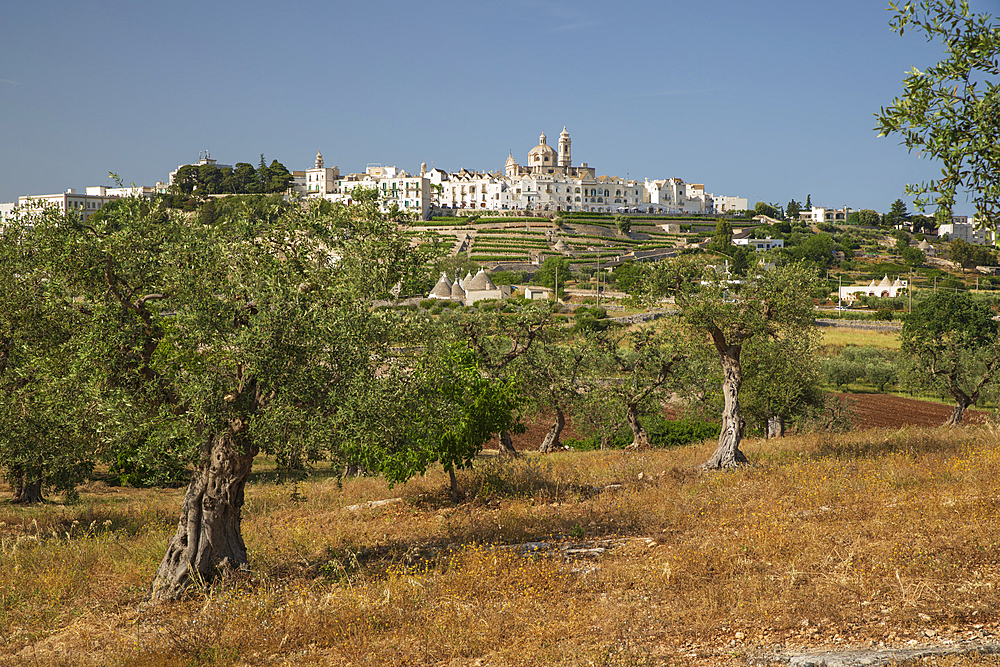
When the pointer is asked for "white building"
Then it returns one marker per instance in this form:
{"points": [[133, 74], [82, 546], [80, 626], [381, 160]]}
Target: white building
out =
{"points": [[84, 205], [548, 182], [7, 211], [820, 214], [396, 187], [725, 204], [759, 244], [965, 231], [318, 181], [884, 289]]}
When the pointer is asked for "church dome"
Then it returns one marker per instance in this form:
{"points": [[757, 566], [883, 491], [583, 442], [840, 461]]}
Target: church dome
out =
{"points": [[542, 155]]}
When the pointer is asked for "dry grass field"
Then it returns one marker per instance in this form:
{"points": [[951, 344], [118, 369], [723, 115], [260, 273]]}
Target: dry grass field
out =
{"points": [[877, 537], [838, 337]]}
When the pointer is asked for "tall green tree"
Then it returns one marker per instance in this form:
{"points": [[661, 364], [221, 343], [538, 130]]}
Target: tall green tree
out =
{"points": [[244, 178], [553, 268], [781, 379], [968, 255], [869, 218], [763, 208], [263, 176], [897, 215], [792, 210], [953, 340], [722, 240], [250, 334], [775, 303], [950, 111], [279, 178], [624, 224], [47, 439]]}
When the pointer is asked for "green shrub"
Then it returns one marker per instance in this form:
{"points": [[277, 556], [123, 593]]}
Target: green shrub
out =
{"points": [[662, 432]]}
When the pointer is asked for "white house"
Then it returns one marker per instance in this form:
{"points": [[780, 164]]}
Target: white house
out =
{"points": [[320, 180], [536, 293], [725, 203], [759, 244], [85, 205], [965, 231], [822, 214], [883, 289]]}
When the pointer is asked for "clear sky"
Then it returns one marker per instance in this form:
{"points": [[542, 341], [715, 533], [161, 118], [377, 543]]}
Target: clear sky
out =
{"points": [[764, 100]]}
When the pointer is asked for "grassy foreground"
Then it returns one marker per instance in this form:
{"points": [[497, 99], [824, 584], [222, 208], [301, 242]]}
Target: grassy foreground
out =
{"points": [[869, 537]]}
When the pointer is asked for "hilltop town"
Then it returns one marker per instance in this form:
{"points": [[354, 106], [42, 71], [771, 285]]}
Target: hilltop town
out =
{"points": [[547, 183]]}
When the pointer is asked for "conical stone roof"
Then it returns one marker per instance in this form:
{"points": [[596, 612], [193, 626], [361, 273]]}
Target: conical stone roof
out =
{"points": [[885, 284], [457, 292], [480, 283], [443, 288]]}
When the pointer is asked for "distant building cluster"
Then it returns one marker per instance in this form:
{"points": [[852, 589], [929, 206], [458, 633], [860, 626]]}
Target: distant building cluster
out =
{"points": [[885, 289], [469, 290], [548, 182]]}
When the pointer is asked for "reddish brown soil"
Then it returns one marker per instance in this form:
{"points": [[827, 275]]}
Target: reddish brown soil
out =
{"points": [[531, 439], [885, 411], [870, 411]]}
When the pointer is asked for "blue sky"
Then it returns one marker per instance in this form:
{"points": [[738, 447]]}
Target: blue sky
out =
{"points": [[765, 100]]}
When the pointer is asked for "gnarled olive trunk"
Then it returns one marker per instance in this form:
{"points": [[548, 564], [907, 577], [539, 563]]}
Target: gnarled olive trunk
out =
{"points": [[961, 404], [208, 538], [27, 485], [728, 454], [775, 427], [505, 445], [640, 439], [551, 442]]}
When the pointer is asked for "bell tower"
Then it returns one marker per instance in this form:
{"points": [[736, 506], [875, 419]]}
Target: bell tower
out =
{"points": [[565, 160]]}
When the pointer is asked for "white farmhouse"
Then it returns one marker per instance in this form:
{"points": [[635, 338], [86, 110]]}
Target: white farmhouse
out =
{"points": [[883, 289], [759, 244]]}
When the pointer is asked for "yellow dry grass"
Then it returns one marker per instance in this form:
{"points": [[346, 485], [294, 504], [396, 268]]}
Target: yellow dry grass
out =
{"points": [[839, 337], [873, 536]]}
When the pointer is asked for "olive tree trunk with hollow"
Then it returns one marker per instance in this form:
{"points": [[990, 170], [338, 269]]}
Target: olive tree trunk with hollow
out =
{"points": [[208, 540]]}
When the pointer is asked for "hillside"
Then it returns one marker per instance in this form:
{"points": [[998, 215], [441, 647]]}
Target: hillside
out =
{"points": [[876, 538]]}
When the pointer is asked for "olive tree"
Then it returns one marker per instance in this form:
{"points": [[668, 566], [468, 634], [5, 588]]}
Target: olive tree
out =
{"points": [[781, 378], [775, 303], [633, 373], [46, 417], [950, 111], [252, 333], [555, 378], [953, 341]]}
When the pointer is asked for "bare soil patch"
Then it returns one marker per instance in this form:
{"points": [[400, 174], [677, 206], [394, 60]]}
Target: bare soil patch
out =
{"points": [[888, 411]]}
